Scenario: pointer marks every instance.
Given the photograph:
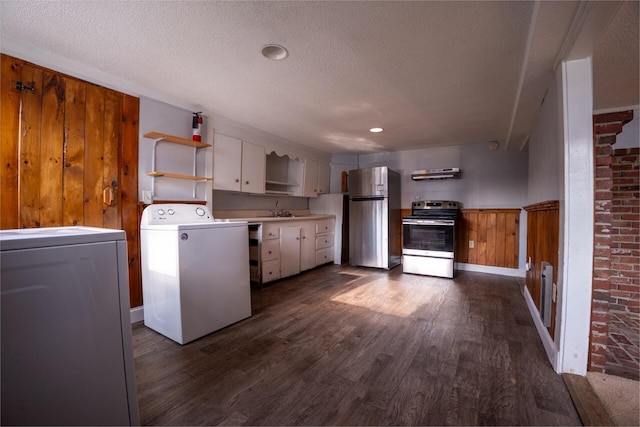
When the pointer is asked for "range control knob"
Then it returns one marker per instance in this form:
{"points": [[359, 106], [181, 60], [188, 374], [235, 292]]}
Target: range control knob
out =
{"points": [[199, 211], [170, 211], [160, 211]]}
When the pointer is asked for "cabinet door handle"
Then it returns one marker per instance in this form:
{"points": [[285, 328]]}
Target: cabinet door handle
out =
{"points": [[237, 180], [269, 252], [304, 237], [246, 182], [297, 238]]}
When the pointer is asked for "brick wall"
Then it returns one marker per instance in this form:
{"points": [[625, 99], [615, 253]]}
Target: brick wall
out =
{"points": [[615, 317]]}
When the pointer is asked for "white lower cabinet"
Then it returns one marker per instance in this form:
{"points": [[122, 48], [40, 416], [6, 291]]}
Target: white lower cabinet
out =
{"points": [[307, 245], [289, 251], [291, 246]]}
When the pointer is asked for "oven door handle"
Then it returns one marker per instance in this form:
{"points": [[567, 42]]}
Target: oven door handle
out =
{"points": [[428, 222]]}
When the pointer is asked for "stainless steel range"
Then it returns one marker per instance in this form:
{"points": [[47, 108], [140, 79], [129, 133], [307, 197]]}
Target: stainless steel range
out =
{"points": [[429, 238]]}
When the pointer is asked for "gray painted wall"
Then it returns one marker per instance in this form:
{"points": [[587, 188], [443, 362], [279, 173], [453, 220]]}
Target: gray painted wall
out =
{"points": [[546, 152], [160, 117], [489, 179]]}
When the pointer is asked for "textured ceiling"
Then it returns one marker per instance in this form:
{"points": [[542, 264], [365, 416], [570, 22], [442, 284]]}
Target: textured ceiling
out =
{"points": [[430, 73]]}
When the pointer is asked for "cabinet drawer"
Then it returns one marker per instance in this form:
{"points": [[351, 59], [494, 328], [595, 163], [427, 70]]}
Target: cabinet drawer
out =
{"points": [[324, 241], [270, 231], [324, 255], [270, 270], [324, 226], [270, 250]]}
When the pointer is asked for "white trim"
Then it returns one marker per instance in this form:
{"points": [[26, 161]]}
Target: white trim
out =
{"points": [[137, 314], [500, 271], [549, 346], [575, 307]]}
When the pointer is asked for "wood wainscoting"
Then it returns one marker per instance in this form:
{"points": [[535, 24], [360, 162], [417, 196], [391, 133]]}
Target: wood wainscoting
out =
{"points": [[495, 234], [542, 245], [69, 156]]}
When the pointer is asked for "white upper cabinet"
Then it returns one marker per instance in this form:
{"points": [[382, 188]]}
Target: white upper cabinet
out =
{"points": [[253, 168], [238, 165], [316, 178], [324, 178]]}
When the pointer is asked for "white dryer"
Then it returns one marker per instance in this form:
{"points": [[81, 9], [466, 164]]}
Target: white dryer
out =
{"points": [[195, 271]]}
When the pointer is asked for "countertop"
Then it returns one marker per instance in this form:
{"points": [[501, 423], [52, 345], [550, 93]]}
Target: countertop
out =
{"points": [[258, 219]]}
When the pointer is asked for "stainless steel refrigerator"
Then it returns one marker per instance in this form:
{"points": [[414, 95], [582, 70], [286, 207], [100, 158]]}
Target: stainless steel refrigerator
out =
{"points": [[375, 222]]}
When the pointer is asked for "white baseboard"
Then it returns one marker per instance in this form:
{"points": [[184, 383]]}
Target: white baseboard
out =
{"points": [[549, 346], [500, 271], [137, 314]]}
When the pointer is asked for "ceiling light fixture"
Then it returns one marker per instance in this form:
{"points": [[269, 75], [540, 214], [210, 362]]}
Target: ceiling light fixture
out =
{"points": [[274, 52], [376, 130]]}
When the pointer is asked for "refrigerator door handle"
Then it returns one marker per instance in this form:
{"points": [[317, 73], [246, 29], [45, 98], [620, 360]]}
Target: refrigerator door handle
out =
{"points": [[366, 198]]}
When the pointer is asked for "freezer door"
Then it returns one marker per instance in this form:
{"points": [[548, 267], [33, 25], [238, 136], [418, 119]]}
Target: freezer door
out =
{"points": [[369, 182], [369, 233]]}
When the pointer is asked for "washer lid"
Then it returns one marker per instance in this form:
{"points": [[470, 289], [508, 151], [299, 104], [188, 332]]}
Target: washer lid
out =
{"points": [[28, 238]]}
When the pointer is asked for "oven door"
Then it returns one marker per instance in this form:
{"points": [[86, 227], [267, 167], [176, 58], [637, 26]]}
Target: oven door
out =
{"points": [[428, 237]]}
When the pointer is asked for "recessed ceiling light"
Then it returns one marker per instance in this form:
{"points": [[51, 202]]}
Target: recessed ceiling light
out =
{"points": [[274, 52], [376, 130]]}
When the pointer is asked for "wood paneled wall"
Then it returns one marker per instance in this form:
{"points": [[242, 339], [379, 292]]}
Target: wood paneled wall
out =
{"points": [[543, 224], [495, 234], [66, 146]]}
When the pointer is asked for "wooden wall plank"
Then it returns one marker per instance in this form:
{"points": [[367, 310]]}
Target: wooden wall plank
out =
{"points": [[10, 70], [112, 123], [93, 153], [51, 150], [462, 238], [129, 193], [73, 171], [501, 233], [481, 256], [512, 230], [491, 239], [473, 236], [29, 154]]}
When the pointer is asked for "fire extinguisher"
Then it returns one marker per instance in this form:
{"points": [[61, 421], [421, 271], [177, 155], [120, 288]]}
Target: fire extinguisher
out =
{"points": [[197, 126]]}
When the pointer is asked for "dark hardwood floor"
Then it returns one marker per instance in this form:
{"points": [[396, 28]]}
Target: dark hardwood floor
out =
{"points": [[355, 346]]}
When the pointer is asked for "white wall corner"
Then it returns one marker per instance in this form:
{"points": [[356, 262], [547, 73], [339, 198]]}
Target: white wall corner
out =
{"points": [[575, 311]]}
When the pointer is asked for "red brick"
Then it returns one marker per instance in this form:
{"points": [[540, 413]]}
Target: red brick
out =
{"points": [[606, 216], [601, 263], [605, 172], [598, 349], [601, 274], [598, 339], [601, 251], [600, 328], [598, 359], [621, 267], [600, 368], [602, 229], [604, 183], [622, 117], [601, 284], [619, 294], [599, 317], [603, 161]]}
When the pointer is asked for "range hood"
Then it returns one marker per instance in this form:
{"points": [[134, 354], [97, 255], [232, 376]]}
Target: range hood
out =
{"points": [[443, 173]]}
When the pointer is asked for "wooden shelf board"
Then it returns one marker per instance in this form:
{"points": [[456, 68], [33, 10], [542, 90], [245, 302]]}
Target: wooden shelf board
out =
{"points": [[284, 193], [176, 139], [179, 176], [288, 184]]}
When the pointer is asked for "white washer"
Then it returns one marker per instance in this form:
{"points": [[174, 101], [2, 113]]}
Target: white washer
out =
{"points": [[66, 331], [195, 271]]}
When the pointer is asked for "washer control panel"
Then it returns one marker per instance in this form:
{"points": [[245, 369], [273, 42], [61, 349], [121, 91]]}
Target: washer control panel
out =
{"points": [[176, 214]]}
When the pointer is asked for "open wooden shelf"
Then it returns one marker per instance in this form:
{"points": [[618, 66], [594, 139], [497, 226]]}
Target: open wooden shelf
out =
{"points": [[176, 139], [283, 193], [179, 176]]}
